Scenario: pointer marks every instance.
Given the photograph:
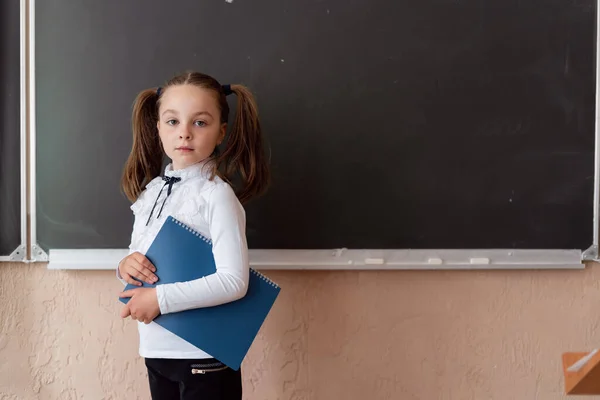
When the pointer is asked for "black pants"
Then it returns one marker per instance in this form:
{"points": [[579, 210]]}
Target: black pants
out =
{"points": [[205, 379]]}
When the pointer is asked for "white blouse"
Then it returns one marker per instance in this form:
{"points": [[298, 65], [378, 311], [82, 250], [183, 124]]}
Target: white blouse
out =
{"points": [[212, 209]]}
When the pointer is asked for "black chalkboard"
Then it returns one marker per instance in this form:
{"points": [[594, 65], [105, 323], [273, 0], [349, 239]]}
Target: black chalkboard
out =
{"points": [[10, 166], [430, 124]]}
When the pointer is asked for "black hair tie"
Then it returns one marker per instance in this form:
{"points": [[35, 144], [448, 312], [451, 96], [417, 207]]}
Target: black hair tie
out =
{"points": [[227, 90], [158, 91], [169, 180]]}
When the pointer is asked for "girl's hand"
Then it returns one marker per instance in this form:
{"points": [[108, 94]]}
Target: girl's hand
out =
{"points": [[143, 305], [136, 265]]}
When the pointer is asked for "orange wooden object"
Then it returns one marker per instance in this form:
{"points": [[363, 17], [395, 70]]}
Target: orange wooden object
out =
{"points": [[585, 381]]}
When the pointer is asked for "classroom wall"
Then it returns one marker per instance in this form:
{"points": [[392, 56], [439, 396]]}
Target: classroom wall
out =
{"points": [[332, 335]]}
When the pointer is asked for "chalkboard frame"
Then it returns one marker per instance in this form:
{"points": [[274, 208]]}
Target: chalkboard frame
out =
{"points": [[20, 252], [337, 259]]}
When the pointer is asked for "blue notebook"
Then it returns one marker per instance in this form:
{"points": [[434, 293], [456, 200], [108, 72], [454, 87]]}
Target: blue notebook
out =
{"points": [[225, 331]]}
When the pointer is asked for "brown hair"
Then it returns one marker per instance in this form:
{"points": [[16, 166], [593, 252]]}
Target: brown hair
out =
{"points": [[242, 159]]}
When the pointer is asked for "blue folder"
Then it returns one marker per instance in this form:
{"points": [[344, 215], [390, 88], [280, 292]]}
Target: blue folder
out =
{"points": [[225, 331]]}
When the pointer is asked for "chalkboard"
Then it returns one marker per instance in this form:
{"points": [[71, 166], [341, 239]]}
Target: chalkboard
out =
{"points": [[390, 124], [10, 166]]}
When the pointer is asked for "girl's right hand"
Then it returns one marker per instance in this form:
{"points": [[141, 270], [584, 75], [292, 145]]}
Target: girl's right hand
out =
{"points": [[136, 265]]}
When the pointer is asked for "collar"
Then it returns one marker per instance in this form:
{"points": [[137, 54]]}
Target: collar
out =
{"points": [[201, 168], [171, 177]]}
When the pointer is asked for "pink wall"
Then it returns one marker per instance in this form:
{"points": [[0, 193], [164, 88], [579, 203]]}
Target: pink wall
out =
{"points": [[332, 335]]}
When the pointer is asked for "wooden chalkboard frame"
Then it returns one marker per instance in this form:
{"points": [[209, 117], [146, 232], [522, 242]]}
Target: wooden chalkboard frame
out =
{"points": [[20, 253], [337, 259]]}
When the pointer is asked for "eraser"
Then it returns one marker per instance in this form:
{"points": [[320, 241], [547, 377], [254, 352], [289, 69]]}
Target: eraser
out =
{"points": [[374, 261], [435, 261], [480, 260]]}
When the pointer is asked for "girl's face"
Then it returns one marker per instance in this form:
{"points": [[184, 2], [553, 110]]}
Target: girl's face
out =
{"points": [[189, 124]]}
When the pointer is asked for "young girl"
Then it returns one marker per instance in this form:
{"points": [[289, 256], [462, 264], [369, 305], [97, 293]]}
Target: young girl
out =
{"points": [[187, 120]]}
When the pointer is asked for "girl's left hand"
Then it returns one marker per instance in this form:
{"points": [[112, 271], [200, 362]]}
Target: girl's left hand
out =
{"points": [[143, 305]]}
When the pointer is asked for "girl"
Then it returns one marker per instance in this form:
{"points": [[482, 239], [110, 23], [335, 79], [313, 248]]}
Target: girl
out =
{"points": [[187, 120]]}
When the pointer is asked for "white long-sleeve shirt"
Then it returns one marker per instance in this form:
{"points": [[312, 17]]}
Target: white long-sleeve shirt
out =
{"points": [[211, 208]]}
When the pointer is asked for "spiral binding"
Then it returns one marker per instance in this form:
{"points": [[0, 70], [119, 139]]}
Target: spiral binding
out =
{"points": [[207, 240], [187, 228], [264, 278]]}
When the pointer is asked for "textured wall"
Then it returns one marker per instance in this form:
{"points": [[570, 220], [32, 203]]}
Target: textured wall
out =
{"points": [[332, 335]]}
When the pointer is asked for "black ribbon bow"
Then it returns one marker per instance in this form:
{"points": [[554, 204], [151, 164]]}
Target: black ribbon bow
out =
{"points": [[169, 181]]}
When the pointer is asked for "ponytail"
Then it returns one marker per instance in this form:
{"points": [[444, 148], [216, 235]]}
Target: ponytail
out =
{"points": [[243, 158], [145, 159]]}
